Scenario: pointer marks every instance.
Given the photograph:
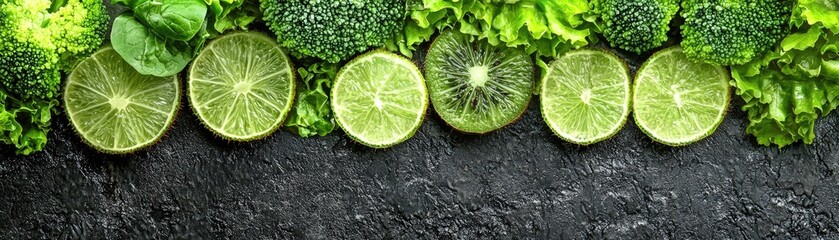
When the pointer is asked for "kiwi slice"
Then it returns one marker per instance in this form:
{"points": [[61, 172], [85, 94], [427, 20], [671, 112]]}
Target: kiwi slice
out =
{"points": [[476, 87]]}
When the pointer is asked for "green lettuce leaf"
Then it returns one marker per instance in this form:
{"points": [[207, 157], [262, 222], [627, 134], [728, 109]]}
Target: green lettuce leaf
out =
{"points": [[782, 109], [817, 12], [543, 28], [788, 89], [232, 14], [311, 114], [25, 124]]}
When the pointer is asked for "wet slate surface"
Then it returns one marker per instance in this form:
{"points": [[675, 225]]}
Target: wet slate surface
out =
{"points": [[519, 182]]}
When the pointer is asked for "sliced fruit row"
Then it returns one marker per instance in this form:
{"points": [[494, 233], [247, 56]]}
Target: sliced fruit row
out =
{"points": [[586, 97], [475, 87], [241, 86]]}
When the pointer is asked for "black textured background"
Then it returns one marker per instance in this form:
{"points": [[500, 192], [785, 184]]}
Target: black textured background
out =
{"points": [[519, 182]]}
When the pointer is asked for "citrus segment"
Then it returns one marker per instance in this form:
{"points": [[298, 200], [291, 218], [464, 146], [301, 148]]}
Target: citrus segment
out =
{"points": [[677, 101], [585, 96], [379, 99], [114, 108], [241, 86]]}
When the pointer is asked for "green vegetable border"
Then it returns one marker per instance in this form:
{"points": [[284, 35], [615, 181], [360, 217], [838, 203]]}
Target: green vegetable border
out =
{"points": [[786, 88]]}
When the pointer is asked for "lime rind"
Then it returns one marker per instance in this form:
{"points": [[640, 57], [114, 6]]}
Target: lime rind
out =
{"points": [[242, 86], [703, 97], [560, 96], [361, 98], [476, 87], [110, 112]]}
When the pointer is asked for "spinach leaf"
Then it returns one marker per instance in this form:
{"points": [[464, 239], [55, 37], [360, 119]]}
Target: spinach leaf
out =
{"points": [[147, 52], [176, 19]]}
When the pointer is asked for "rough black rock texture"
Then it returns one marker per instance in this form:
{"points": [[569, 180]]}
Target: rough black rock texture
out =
{"points": [[519, 182]]}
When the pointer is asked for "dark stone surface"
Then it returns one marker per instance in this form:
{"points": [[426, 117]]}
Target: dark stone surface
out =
{"points": [[519, 182]]}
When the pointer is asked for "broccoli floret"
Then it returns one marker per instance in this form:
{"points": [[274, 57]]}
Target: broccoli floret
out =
{"points": [[732, 32], [79, 29], [333, 30], [28, 70], [635, 25], [41, 37], [38, 40]]}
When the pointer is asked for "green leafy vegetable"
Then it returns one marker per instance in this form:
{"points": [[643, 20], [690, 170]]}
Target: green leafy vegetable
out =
{"points": [[160, 37], [789, 88], [155, 54], [25, 124], [311, 114], [544, 28], [225, 18], [176, 19]]}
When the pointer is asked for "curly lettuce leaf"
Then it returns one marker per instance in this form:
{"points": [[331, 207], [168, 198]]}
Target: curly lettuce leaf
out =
{"points": [[542, 28], [788, 89], [311, 114], [233, 14], [783, 109], [425, 18], [25, 124], [817, 12]]}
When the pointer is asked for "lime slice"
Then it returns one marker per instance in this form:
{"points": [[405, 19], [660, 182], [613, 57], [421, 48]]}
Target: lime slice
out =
{"points": [[114, 108], [585, 96], [677, 101], [241, 86], [379, 99]]}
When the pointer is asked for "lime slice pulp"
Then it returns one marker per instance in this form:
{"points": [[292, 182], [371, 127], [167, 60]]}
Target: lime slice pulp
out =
{"points": [[114, 108], [677, 101], [241, 86], [379, 99], [585, 96]]}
